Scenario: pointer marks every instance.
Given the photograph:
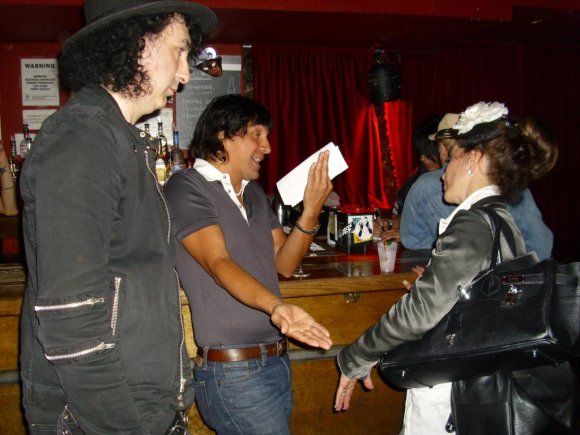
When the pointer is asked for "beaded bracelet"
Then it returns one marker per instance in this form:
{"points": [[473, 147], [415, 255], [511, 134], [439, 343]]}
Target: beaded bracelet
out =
{"points": [[311, 232]]}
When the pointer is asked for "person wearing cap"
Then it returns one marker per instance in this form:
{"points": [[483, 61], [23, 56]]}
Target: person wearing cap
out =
{"points": [[102, 340], [424, 202], [425, 205]]}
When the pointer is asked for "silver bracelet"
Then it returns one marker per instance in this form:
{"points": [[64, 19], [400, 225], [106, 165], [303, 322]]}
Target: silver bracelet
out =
{"points": [[311, 232]]}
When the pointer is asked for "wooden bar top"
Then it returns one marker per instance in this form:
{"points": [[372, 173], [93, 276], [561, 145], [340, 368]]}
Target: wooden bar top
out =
{"points": [[333, 272]]}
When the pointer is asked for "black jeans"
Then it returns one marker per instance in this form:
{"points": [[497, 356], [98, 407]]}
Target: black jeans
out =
{"points": [[46, 410]]}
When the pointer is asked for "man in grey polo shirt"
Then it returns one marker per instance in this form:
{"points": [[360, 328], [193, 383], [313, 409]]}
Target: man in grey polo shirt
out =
{"points": [[231, 250]]}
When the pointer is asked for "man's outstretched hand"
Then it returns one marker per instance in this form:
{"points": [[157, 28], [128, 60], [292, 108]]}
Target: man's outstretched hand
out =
{"points": [[296, 323]]}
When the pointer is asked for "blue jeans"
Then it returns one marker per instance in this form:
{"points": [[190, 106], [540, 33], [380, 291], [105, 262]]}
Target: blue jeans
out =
{"points": [[246, 397]]}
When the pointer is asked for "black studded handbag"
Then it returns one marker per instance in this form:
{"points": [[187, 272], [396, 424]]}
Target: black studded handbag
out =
{"points": [[518, 314]]}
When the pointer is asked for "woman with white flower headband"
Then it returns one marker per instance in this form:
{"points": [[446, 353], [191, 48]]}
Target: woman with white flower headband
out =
{"points": [[492, 161]]}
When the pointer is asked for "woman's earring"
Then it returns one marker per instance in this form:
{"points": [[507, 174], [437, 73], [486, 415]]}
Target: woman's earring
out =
{"points": [[470, 170]]}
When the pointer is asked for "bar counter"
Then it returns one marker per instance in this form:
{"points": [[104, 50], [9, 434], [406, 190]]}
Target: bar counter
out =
{"points": [[347, 293]]}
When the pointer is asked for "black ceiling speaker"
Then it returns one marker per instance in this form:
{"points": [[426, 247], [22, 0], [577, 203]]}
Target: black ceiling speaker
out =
{"points": [[384, 82]]}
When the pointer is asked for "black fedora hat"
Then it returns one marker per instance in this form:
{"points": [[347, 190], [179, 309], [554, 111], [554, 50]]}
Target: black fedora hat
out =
{"points": [[101, 13]]}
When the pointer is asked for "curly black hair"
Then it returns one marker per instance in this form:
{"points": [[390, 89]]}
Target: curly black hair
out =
{"points": [[230, 114], [110, 56]]}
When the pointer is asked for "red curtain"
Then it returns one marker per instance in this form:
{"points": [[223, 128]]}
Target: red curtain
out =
{"points": [[552, 94], [319, 95], [538, 81], [398, 116], [454, 77]]}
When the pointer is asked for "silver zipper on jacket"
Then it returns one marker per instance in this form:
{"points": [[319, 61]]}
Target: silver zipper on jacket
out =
{"points": [[101, 346], [182, 380], [89, 301], [161, 195], [115, 309]]}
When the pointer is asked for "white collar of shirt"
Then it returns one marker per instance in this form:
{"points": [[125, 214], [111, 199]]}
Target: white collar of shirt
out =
{"points": [[484, 192], [211, 173]]}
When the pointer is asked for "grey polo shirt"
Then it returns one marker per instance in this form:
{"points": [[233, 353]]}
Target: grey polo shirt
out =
{"points": [[196, 202]]}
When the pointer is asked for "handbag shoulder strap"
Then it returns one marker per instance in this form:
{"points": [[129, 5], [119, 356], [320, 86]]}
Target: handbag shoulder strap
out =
{"points": [[498, 226]]}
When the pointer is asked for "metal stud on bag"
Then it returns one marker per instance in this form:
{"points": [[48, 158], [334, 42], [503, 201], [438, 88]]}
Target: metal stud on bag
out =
{"points": [[512, 296]]}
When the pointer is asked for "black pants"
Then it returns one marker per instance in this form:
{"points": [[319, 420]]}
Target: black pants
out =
{"points": [[46, 412]]}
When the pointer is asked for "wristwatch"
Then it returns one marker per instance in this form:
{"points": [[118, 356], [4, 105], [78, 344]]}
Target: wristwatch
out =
{"points": [[311, 232]]}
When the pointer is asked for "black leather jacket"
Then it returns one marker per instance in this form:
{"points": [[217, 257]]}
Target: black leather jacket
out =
{"points": [[460, 253], [101, 316]]}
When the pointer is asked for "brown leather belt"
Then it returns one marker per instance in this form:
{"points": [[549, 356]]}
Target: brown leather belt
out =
{"points": [[244, 353]]}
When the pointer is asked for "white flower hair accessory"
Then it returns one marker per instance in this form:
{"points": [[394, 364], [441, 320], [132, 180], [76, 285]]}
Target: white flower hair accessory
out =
{"points": [[478, 114]]}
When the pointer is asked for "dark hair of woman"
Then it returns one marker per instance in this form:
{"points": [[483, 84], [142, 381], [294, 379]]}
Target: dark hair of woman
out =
{"points": [[113, 54], [517, 154], [230, 114]]}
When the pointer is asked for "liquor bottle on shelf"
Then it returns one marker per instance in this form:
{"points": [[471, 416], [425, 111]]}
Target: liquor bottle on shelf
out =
{"points": [[146, 126], [177, 158], [175, 138], [162, 140], [162, 163], [26, 142], [15, 160]]}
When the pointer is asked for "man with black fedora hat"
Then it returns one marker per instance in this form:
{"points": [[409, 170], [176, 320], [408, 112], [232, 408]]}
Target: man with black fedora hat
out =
{"points": [[102, 342]]}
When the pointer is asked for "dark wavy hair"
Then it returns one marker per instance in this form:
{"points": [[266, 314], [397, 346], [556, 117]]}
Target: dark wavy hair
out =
{"points": [[230, 114], [110, 56], [422, 145], [518, 153]]}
